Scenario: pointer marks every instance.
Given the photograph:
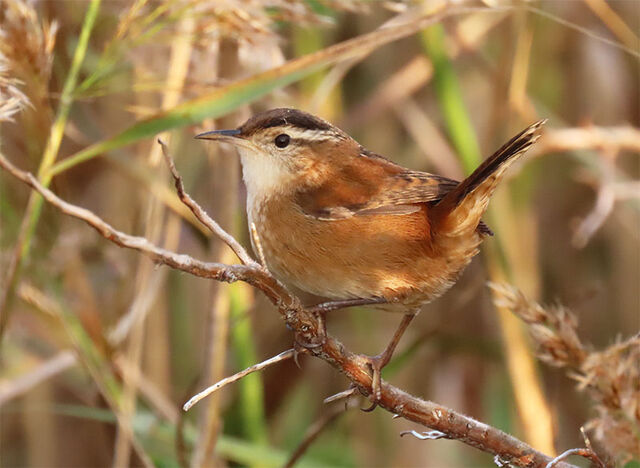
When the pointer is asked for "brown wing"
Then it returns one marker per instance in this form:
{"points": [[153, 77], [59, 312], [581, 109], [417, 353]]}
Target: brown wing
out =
{"points": [[372, 185]]}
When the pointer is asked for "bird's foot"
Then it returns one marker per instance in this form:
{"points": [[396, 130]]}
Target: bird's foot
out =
{"points": [[302, 345], [376, 363]]}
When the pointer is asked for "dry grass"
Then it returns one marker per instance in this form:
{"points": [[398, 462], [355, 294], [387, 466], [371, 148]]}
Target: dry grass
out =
{"points": [[567, 225], [12, 100], [610, 377]]}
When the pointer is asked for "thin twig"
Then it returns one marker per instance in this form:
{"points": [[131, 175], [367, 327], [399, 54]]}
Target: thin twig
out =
{"points": [[582, 452], [237, 376], [218, 271], [314, 431], [349, 392], [201, 214], [307, 328], [585, 437]]}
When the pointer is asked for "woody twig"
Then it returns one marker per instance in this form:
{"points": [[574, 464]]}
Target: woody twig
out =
{"points": [[237, 376], [306, 325]]}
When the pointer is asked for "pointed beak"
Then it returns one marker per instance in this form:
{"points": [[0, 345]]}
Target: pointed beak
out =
{"points": [[219, 135]]}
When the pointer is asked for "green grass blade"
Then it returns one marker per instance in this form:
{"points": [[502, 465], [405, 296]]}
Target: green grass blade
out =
{"points": [[227, 98], [251, 388], [66, 98], [93, 358], [34, 207], [449, 94], [229, 448], [212, 105], [456, 116], [57, 129], [499, 263]]}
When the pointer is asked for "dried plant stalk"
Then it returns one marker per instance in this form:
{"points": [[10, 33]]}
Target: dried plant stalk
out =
{"points": [[553, 328], [610, 377]]}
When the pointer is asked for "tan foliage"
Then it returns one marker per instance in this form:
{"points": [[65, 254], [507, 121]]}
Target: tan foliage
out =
{"points": [[611, 377]]}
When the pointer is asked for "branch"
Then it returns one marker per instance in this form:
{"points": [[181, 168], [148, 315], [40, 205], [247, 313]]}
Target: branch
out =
{"points": [[202, 215], [308, 329], [237, 376], [251, 274]]}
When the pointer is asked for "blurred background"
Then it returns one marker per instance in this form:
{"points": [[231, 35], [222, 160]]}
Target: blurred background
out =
{"points": [[100, 348]]}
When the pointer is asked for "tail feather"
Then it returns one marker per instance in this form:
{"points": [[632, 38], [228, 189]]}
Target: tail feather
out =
{"points": [[461, 209]]}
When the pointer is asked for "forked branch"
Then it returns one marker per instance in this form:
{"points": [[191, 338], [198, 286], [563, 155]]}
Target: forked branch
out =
{"points": [[202, 215], [305, 325]]}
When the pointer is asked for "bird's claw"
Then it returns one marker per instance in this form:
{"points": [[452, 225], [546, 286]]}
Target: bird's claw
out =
{"points": [[376, 363], [299, 348]]}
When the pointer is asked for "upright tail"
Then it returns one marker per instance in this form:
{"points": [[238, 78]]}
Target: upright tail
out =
{"points": [[461, 209]]}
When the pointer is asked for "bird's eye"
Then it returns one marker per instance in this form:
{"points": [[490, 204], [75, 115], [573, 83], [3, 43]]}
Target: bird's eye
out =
{"points": [[282, 140]]}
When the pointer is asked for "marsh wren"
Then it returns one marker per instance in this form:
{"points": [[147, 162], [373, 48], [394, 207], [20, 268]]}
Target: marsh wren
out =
{"points": [[339, 221]]}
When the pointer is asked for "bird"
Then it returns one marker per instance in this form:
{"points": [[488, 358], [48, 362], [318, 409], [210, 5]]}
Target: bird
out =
{"points": [[341, 222]]}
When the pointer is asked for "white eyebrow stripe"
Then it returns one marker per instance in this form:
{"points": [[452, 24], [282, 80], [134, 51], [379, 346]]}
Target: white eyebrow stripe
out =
{"points": [[310, 135]]}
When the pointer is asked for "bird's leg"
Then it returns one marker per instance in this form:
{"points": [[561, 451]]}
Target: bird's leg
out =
{"points": [[320, 310], [335, 305], [378, 362]]}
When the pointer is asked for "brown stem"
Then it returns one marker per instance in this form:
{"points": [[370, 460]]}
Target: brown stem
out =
{"points": [[307, 328]]}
